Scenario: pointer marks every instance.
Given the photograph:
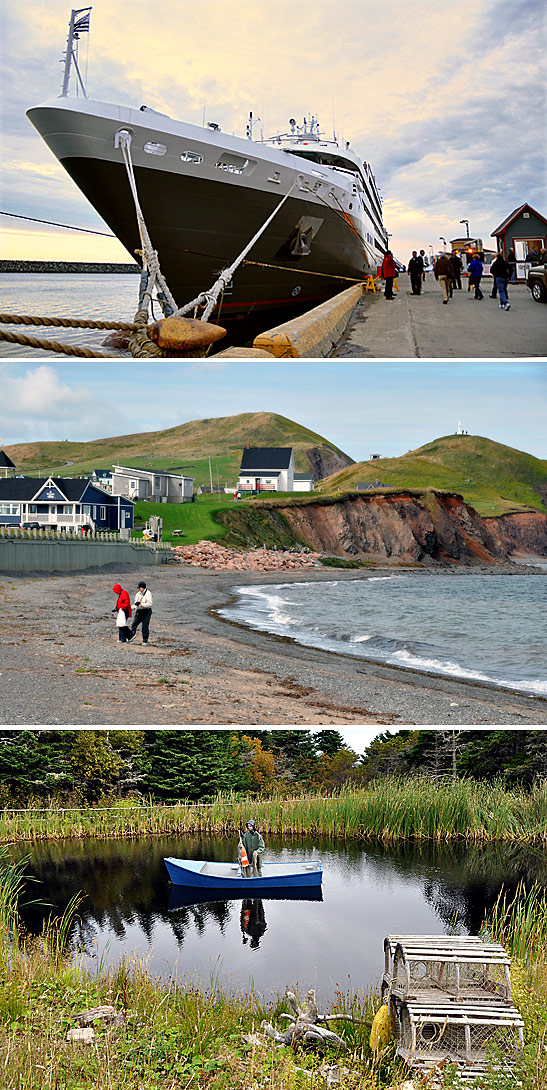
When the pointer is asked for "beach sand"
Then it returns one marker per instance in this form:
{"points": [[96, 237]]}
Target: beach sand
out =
{"points": [[61, 663]]}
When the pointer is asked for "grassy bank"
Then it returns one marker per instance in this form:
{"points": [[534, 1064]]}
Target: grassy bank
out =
{"points": [[176, 1037], [388, 810]]}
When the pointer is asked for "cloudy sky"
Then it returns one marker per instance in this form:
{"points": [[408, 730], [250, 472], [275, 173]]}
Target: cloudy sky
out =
{"points": [[445, 99], [388, 408]]}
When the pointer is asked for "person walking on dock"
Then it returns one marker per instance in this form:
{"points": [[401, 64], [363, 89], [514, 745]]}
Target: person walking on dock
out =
{"points": [[416, 271], [457, 266], [442, 274], [389, 272], [255, 847], [143, 607], [122, 609], [475, 269], [501, 271], [423, 256]]}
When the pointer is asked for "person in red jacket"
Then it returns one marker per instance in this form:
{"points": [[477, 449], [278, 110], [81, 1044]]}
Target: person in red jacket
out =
{"points": [[389, 272], [123, 603]]}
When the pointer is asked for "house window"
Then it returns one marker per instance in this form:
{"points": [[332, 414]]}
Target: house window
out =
{"points": [[94, 511], [102, 515], [9, 508], [86, 509], [132, 484]]}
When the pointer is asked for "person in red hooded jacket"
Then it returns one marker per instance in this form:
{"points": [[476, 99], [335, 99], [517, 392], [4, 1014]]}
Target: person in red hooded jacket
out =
{"points": [[389, 272], [123, 603]]}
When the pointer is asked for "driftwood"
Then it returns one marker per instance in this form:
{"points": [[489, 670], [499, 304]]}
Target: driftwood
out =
{"points": [[99, 1014], [307, 1025]]}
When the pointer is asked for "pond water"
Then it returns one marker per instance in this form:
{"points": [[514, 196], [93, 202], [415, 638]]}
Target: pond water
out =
{"points": [[264, 945]]}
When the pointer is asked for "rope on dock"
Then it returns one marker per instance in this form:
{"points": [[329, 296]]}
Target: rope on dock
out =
{"points": [[140, 344], [51, 346], [68, 323]]}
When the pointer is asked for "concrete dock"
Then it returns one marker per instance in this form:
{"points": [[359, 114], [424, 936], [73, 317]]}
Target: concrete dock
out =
{"points": [[420, 326]]}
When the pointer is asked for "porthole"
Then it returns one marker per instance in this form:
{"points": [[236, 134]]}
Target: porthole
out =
{"points": [[296, 290], [154, 149], [191, 157]]}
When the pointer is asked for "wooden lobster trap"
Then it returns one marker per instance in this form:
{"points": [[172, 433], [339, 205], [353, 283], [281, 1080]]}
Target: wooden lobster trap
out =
{"points": [[468, 1036], [459, 967], [450, 1000]]}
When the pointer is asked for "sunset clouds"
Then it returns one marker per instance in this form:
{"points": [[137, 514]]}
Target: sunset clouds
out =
{"points": [[446, 101]]}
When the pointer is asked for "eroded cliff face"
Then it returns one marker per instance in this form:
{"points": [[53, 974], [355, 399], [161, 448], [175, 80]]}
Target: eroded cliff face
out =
{"points": [[524, 532], [324, 461], [400, 527]]}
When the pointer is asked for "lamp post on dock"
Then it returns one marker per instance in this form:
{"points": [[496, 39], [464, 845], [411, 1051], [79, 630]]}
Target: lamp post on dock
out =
{"points": [[466, 226]]}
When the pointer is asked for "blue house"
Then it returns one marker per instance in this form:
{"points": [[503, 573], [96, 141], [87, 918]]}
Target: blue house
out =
{"points": [[62, 503]]}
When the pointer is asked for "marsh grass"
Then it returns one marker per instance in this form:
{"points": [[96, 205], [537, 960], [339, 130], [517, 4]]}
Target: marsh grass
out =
{"points": [[387, 810]]}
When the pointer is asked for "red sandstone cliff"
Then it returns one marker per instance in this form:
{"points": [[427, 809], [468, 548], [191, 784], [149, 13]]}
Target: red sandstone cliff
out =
{"points": [[524, 532], [398, 526]]}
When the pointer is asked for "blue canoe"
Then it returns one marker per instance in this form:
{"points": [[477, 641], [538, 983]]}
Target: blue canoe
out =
{"points": [[226, 878]]}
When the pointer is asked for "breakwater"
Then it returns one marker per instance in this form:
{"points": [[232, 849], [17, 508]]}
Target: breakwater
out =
{"points": [[7, 266]]}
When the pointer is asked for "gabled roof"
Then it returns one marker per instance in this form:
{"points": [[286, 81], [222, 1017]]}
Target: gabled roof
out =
{"points": [[6, 462], [26, 488], [269, 458], [513, 216]]}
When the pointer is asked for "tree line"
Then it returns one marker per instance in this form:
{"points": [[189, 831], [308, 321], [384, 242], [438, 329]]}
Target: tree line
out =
{"points": [[89, 766]]}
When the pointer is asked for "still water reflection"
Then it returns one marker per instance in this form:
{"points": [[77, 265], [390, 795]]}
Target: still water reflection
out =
{"points": [[368, 892]]}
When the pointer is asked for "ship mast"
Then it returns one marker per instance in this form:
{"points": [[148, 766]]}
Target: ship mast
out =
{"points": [[79, 24]]}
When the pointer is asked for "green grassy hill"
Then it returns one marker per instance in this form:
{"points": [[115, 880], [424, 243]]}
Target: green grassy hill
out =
{"points": [[492, 478], [188, 446]]}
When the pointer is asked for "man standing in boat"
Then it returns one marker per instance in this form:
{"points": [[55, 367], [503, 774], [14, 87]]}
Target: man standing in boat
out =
{"points": [[254, 846]]}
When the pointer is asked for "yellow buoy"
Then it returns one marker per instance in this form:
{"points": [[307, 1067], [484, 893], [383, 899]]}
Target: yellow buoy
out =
{"points": [[381, 1029]]}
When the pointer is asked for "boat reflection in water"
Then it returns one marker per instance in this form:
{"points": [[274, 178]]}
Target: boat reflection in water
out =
{"points": [[185, 896], [252, 916]]}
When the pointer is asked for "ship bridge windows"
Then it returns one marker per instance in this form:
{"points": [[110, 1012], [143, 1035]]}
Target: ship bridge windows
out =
{"points": [[326, 158], [235, 164], [191, 157]]}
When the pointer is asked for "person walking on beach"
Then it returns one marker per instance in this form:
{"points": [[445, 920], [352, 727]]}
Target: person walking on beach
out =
{"points": [[143, 612], [416, 271], [501, 272], [389, 272], [254, 847], [442, 274], [122, 609], [475, 273]]}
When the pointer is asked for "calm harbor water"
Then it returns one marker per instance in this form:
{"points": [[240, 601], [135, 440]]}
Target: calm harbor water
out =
{"points": [[100, 296], [490, 628], [368, 892]]}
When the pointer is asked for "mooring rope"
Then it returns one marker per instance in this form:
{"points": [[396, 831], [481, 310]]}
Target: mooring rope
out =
{"points": [[68, 323], [51, 346]]}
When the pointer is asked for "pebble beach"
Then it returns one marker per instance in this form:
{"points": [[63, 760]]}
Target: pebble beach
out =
{"points": [[62, 665]]}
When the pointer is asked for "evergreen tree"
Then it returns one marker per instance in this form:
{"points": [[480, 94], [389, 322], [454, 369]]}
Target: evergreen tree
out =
{"points": [[190, 764], [329, 742], [35, 764]]}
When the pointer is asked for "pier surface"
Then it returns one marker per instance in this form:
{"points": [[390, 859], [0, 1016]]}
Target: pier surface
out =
{"points": [[420, 326]]}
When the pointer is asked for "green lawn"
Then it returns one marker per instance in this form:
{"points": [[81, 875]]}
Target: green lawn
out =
{"points": [[195, 519]]}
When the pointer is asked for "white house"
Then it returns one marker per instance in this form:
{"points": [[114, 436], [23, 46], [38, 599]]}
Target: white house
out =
{"points": [[266, 469], [152, 484], [303, 482]]}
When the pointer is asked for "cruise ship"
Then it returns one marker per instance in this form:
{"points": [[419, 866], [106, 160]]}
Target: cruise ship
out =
{"points": [[205, 193]]}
